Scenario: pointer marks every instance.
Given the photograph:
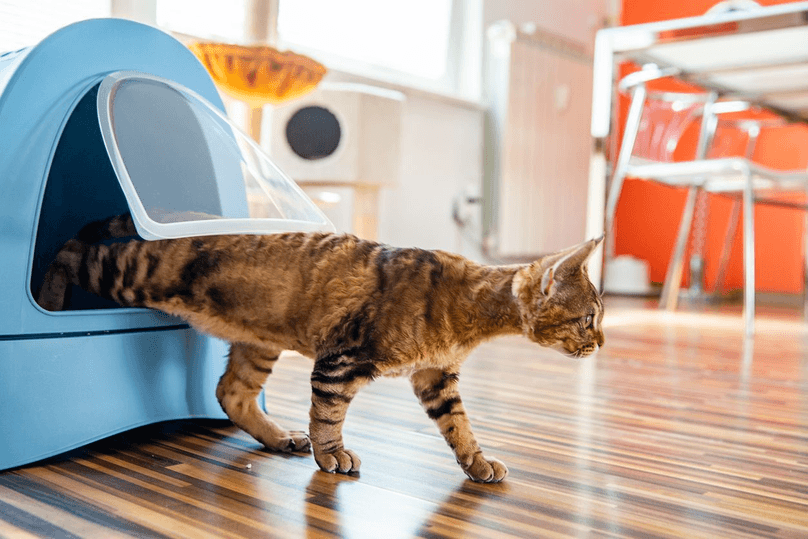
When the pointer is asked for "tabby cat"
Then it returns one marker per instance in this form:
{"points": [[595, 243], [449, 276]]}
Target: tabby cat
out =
{"points": [[360, 309]]}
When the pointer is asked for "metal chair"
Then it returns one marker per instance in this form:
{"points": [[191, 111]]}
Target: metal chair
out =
{"points": [[654, 124]]}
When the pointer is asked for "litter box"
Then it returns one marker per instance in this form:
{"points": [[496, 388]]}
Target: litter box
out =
{"points": [[104, 117]]}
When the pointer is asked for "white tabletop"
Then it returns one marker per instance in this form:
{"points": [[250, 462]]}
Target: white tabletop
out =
{"points": [[760, 55]]}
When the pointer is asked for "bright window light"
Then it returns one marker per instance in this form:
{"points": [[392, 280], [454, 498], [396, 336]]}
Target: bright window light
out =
{"points": [[210, 19], [24, 23], [410, 37]]}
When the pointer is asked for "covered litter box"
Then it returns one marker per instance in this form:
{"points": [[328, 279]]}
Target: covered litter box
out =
{"points": [[103, 117]]}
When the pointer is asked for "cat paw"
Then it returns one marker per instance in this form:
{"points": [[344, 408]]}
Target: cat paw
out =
{"points": [[296, 442], [486, 470], [342, 461]]}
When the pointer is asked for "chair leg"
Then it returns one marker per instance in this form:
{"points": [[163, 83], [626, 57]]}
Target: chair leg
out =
{"points": [[726, 248], [615, 188], [698, 237], [748, 257], [673, 278], [805, 268], [623, 158]]}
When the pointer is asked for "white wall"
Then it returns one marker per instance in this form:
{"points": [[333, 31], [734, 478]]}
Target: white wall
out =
{"points": [[442, 147]]}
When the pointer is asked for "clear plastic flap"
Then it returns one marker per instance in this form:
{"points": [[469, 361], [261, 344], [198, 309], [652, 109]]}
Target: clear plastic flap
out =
{"points": [[186, 170]]}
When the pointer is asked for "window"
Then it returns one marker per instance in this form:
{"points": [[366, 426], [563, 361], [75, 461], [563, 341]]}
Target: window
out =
{"points": [[209, 19], [433, 45], [422, 43], [411, 37], [23, 24]]}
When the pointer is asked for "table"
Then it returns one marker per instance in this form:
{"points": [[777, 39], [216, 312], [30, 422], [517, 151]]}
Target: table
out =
{"points": [[760, 55]]}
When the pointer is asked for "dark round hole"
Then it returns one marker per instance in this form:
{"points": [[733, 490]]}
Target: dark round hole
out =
{"points": [[313, 132]]}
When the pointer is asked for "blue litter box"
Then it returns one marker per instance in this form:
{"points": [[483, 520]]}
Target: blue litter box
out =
{"points": [[104, 117]]}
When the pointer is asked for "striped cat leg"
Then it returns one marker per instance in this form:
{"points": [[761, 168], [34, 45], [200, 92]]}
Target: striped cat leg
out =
{"points": [[438, 393], [63, 271], [247, 370], [335, 381]]}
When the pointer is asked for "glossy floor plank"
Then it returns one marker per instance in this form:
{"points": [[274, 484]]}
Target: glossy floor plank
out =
{"points": [[679, 427]]}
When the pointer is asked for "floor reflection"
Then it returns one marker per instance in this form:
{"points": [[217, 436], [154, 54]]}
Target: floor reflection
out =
{"points": [[456, 514], [343, 506]]}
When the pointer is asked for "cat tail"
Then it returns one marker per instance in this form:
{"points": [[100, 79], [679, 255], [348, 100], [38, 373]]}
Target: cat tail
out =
{"points": [[81, 262]]}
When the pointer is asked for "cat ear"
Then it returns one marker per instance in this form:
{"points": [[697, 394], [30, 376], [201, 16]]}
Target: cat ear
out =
{"points": [[550, 275], [577, 256], [569, 259]]}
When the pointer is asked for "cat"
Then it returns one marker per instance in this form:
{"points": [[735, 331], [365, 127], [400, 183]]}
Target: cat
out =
{"points": [[360, 309]]}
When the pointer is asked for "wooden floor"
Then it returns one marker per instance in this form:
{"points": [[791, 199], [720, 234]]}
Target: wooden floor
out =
{"points": [[677, 428]]}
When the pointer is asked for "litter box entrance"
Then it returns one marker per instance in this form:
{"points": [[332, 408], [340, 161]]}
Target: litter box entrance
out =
{"points": [[81, 188], [142, 144]]}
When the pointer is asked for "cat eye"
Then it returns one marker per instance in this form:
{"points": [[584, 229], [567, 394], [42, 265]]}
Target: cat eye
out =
{"points": [[588, 321]]}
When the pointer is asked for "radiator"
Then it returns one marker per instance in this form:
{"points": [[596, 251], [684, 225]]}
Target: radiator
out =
{"points": [[539, 88]]}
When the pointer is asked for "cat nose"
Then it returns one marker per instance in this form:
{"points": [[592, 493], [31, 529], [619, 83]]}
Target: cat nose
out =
{"points": [[601, 339]]}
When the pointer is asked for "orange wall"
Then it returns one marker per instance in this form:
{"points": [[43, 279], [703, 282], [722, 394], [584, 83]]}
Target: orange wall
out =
{"points": [[648, 214]]}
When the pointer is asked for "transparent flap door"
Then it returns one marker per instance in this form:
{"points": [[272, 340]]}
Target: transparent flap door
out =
{"points": [[186, 170]]}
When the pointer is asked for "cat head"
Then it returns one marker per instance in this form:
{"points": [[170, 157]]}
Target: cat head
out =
{"points": [[559, 306]]}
